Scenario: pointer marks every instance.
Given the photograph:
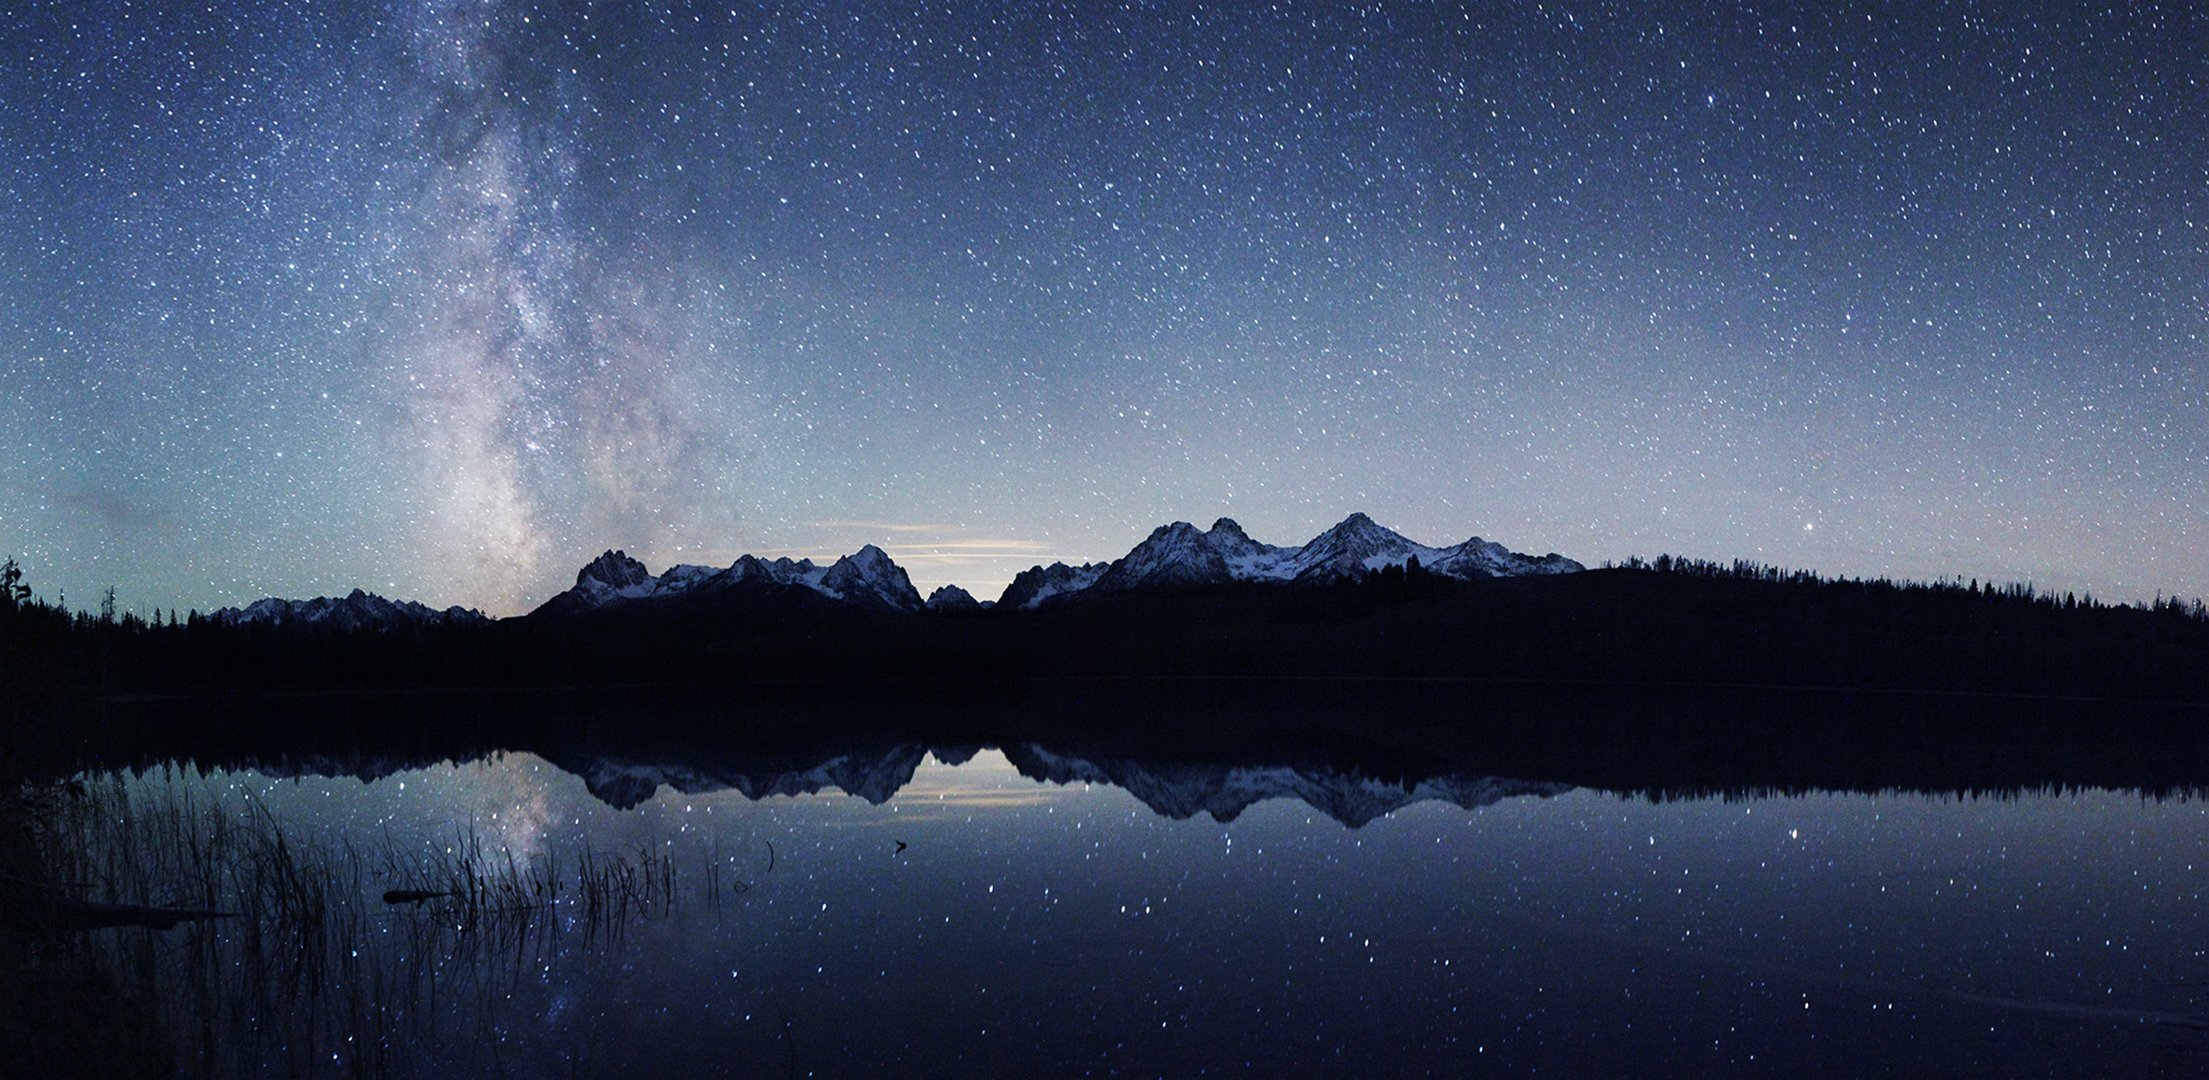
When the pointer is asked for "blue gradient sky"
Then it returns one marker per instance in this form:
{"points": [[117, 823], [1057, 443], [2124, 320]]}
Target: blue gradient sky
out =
{"points": [[440, 299]]}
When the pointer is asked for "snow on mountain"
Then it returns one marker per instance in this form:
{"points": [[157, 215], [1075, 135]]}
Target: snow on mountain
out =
{"points": [[867, 577], [1478, 558], [1245, 558], [1176, 554], [355, 611], [783, 571], [952, 598], [1354, 547], [612, 576], [1038, 584], [1180, 554]]}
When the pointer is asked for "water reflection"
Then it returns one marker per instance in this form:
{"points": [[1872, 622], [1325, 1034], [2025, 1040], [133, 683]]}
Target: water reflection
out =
{"points": [[903, 909], [1173, 789]]}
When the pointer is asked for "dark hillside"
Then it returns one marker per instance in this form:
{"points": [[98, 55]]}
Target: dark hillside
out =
{"points": [[1691, 625]]}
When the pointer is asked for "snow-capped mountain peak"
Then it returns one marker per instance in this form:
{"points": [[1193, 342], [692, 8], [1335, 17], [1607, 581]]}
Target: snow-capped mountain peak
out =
{"points": [[357, 610], [867, 577], [615, 570], [1181, 555], [1038, 585], [952, 598], [1175, 554], [1353, 547], [1227, 537]]}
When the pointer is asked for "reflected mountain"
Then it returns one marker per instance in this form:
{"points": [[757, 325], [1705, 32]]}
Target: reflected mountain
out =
{"points": [[626, 783], [1184, 790], [1171, 789], [1347, 750]]}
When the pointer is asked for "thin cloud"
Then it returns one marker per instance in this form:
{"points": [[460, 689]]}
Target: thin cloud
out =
{"points": [[1023, 555], [891, 526], [979, 544], [947, 551]]}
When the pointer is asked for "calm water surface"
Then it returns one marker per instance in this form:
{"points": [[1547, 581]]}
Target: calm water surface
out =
{"points": [[1032, 927]]}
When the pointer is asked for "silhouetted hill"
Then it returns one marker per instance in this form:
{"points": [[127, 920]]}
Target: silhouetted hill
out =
{"points": [[1691, 624]]}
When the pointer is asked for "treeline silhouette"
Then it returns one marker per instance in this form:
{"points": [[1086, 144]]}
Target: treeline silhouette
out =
{"points": [[1669, 621], [2012, 592]]}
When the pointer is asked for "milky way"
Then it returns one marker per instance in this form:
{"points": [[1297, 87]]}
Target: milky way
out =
{"points": [[442, 298], [543, 395]]}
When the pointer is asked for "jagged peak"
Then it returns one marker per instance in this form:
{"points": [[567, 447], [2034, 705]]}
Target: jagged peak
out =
{"points": [[868, 555], [1358, 524], [951, 598], [614, 568], [870, 573], [1177, 554], [1359, 530], [357, 608], [1058, 567], [1037, 584], [1174, 554]]}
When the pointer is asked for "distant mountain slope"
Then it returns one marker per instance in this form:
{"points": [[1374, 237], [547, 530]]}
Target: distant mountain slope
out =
{"points": [[1180, 555], [1177, 555], [1033, 586], [355, 611], [952, 598], [866, 579]]}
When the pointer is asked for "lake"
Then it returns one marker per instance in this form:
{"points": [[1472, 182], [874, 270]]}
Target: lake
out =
{"points": [[918, 909]]}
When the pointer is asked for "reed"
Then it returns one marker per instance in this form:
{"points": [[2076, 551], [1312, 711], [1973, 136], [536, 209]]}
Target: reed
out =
{"points": [[347, 957]]}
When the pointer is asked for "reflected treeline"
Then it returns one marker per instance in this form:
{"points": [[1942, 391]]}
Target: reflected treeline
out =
{"points": [[1345, 748]]}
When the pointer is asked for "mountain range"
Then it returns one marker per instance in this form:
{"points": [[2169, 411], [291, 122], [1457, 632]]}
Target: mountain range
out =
{"points": [[1182, 555], [356, 611], [865, 579], [1174, 556]]}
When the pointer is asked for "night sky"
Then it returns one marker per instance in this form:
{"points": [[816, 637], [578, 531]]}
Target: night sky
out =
{"points": [[440, 299]]}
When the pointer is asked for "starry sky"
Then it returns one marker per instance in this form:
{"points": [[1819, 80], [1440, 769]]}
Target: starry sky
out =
{"points": [[440, 298]]}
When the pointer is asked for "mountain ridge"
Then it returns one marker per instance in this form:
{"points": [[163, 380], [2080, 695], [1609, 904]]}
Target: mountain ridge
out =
{"points": [[867, 578], [1180, 554], [1174, 555], [357, 610]]}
